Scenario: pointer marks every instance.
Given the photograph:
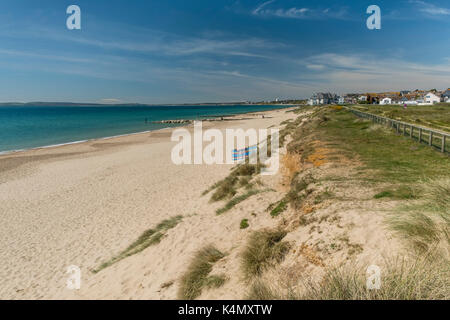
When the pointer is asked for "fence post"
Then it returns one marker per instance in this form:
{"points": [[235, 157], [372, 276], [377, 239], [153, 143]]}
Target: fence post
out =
{"points": [[443, 143], [411, 131], [420, 134], [430, 141]]}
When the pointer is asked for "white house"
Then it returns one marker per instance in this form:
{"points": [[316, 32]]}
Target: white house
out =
{"points": [[432, 98], [386, 101], [314, 101], [446, 96], [362, 98], [341, 100], [323, 98]]}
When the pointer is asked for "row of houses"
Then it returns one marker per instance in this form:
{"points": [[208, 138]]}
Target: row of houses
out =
{"points": [[417, 97], [325, 98]]}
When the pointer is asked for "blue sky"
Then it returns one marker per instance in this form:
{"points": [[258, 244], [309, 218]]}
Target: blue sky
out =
{"points": [[175, 51]]}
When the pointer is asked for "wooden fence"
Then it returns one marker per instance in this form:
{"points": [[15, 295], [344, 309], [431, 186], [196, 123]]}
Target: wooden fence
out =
{"points": [[434, 138]]}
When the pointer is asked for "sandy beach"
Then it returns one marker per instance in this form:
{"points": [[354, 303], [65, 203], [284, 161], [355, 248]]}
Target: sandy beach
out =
{"points": [[81, 204]]}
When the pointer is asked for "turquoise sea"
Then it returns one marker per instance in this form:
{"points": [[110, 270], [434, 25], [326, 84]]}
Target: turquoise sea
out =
{"points": [[26, 127]]}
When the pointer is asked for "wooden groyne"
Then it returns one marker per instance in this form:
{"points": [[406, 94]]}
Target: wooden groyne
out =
{"points": [[180, 121], [216, 118], [183, 121]]}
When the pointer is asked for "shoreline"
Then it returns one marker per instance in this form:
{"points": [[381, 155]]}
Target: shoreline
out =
{"points": [[183, 125], [13, 152]]}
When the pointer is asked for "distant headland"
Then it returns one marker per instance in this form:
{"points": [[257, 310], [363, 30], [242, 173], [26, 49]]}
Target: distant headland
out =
{"points": [[93, 104]]}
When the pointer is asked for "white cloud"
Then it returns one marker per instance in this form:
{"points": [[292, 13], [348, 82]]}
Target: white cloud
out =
{"points": [[259, 8], [315, 66], [263, 10], [431, 9], [156, 42], [346, 73], [281, 13]]}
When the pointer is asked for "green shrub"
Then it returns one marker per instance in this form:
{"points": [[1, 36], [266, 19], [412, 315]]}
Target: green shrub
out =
{"points": [[244, 224], [196, 276]]}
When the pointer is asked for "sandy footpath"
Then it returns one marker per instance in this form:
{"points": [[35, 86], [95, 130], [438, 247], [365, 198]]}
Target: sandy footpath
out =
{"points": [[82, 204]]}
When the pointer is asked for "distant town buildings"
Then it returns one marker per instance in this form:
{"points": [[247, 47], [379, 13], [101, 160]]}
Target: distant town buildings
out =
{"points": [[432, 98], [325, 98], [404, 97], [446, 96], [386, 101], [362, 98]]}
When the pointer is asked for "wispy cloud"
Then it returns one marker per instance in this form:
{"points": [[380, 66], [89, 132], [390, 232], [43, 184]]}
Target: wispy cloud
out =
{"points": [[315, 66], [430, 8], [365, 73], [158, 43], [185, 47], [265, 10], [259, 9], [65, 58], [283, 13]]}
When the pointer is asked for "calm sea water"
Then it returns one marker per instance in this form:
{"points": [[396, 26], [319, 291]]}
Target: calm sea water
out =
{"points": [[37, 126]]}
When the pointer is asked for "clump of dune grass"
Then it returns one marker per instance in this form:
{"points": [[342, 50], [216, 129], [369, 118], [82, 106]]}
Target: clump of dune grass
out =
{"points": [[278, 208], [248, 169], [423, 279], [226, 188], [240, 176], [196, 277], [259, 290], [236, 200], [426, 224], [401, 193], [417, 227], [264, 248], [438, 191], [147, 238], [215, 281]]}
